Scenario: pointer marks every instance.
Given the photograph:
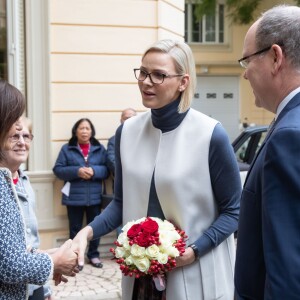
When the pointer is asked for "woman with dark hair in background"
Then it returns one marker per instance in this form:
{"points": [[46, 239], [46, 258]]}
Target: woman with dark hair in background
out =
{"points": [[81, 163], [20, 265]]}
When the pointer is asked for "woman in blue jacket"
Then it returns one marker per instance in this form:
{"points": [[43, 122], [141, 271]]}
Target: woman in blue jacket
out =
{"points": [[81, 163]]}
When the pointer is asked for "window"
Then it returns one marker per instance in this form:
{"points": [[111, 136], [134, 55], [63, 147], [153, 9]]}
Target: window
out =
{"points": [[3, 43], [12, 43], [208, 30]]}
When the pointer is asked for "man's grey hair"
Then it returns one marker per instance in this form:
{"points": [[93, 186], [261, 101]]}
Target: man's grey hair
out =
{"points": [[281, 25]]}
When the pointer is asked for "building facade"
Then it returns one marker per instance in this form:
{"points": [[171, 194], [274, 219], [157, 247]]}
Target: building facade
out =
{"points": [[75, 58]]}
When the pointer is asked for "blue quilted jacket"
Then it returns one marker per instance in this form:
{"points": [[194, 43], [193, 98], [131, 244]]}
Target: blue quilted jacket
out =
{"points": [[82, 192], [18, 267]]}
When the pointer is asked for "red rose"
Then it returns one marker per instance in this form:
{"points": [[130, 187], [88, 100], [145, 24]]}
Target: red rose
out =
{"points": [[150, 226], [143, 239], [134, 230]]}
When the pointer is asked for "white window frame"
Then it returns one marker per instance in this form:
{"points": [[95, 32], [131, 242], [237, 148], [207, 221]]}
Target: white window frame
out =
{"points": [[16, 44], [30, 19], [189, 23], [38, 82]]}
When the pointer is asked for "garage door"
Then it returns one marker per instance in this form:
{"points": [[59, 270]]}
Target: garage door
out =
{"points": [[218, 97]]}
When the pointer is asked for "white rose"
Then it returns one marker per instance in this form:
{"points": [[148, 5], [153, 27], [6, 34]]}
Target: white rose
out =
{"points": [[164, 239], [162, 258], [129, 260], [171, 251], [174, 235], [122, 238], [142, 264], [168, 238], [120, 252], [126, 245], [137, 251], [152, 252], [166, 225]]}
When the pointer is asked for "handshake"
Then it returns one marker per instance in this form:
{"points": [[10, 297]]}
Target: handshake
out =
{"points": [[65, 261], [68, 257]]}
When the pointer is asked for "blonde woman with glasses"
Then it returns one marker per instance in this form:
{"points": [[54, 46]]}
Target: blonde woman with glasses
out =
{"points": [[175, 163]]}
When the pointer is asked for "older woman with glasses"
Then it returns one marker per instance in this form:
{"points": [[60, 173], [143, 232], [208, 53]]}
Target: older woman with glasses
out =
{"points": [[21, 264], [175, 163], [16, 153]]}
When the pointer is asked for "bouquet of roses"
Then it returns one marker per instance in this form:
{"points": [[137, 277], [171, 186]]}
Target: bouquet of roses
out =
{"points": [[148, 246]]}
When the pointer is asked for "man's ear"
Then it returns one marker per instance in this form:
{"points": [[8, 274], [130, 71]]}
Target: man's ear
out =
{"points": [[277, 58]]}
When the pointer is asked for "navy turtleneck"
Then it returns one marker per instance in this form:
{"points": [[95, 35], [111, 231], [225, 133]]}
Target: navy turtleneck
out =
{"points": [[167, 118]]}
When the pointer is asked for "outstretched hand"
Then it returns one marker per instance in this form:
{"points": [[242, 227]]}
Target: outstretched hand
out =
{"points": [[65, 260], [80, 241]]}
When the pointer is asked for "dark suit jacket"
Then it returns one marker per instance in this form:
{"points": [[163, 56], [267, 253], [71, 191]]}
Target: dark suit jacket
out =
{"points": [[111, 155], [268, 249]]}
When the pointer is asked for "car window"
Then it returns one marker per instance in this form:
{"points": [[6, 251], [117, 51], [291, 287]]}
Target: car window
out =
{"points": [[261, 140], [241, 152], [247, 151]]}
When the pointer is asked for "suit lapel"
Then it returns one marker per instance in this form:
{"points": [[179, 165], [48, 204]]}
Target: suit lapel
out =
{"points": [[295, 101]]}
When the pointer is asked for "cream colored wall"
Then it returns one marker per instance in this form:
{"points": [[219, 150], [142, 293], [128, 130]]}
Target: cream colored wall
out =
{"points": [[94, 46]]}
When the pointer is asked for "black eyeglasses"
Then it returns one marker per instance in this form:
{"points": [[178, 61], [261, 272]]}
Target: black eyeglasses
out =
{"points": [[27, 137], [155, 77], [245, 60]]}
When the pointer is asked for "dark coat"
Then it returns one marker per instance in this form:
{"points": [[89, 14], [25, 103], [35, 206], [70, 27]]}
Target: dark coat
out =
{"points": [[82, 192], [111, 155], [268, 261]]}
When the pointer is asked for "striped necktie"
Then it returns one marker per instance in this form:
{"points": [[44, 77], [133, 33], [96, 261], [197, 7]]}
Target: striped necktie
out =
{"points": [[271, 124], [270, 128]]}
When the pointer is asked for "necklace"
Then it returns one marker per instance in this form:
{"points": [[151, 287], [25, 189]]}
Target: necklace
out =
{"points": [[85, 149], [16, 178]]}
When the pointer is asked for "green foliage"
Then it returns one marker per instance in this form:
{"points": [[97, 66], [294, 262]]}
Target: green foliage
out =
{"points": [[205, 7], [240, 11]]}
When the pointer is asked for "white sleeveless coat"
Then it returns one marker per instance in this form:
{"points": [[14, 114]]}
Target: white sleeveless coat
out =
{"points": [[182, 180]]}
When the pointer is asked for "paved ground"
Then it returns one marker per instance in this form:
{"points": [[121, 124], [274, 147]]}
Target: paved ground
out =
{"points": [[92, 284]]}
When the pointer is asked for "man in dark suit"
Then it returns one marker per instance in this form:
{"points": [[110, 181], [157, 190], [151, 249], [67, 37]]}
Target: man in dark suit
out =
{"points": [[268, 244], [126, 114]]}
